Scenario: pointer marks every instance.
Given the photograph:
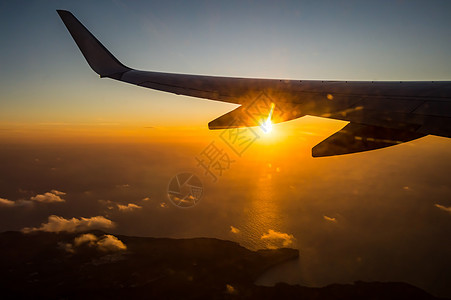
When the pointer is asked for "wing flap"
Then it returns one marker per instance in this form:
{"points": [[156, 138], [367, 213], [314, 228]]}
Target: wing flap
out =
{"points": [[355, 138], [258, 112], [233, 119]]}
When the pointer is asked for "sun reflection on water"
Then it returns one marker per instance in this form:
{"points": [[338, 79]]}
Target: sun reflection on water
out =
{"points": [[263, 216]]}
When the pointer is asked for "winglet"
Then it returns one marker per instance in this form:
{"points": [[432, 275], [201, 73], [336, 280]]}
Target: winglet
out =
{"points": [[97, 56]]}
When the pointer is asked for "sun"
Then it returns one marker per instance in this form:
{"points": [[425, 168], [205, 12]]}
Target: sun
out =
{"points": [[266, 124]]}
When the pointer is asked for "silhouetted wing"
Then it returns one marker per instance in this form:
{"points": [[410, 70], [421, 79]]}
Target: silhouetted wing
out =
{"points": [[378, 111], [357, 138]]}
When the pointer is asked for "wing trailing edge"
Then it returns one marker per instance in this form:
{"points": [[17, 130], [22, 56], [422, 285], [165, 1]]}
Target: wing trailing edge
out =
{"points": [[355, 138]]}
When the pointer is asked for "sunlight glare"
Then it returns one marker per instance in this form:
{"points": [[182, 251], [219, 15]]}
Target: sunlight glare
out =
{"points": [[266, 126]]}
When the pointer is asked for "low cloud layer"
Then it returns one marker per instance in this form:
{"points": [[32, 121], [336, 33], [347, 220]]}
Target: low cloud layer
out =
{"points": [[105, 243], [277, 239], [58, 224]]}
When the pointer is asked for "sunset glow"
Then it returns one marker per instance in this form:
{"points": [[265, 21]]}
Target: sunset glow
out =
{"points": [[77, 150]]}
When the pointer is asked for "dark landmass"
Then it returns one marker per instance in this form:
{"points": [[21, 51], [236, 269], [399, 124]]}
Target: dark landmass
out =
{"points": [[40, 265]]}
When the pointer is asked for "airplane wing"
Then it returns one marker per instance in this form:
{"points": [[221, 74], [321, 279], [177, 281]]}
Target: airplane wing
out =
{"points": [[381, 114]]}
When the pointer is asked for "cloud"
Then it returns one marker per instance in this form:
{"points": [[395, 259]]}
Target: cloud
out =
{"points": [[123, 186], [6, 202], [128, 207], [111, 205], [444, 208], [85, 238], [49, 197], [68, 247], [331, 219], [106, 243], [10, 203], [146, 199], [110, 243], [277, 238], [59, 193], [234, 230], [58, 224], [231, 290], [108, 203]]}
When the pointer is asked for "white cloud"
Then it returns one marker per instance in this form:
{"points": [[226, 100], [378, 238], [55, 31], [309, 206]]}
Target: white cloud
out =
{"points": [[49, 197], [110, 243], [59, 193], [444, 208], [128, 207], [146, 199], [106, 243], [112, 205], [234, 230], [231, 290], [330, 219], [277, 239], [58, 224], [6, 202], [10, 203], [88, 238]]}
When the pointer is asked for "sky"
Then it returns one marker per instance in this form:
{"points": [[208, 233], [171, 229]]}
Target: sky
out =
{"points": [[73, 145], [46, 84]]}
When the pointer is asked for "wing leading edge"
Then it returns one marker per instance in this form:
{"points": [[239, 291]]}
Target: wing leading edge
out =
{"points": [[381, 114]]}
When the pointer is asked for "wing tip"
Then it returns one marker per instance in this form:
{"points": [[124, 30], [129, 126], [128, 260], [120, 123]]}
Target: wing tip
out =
{"points": [[98, 57], [62, 12]]}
